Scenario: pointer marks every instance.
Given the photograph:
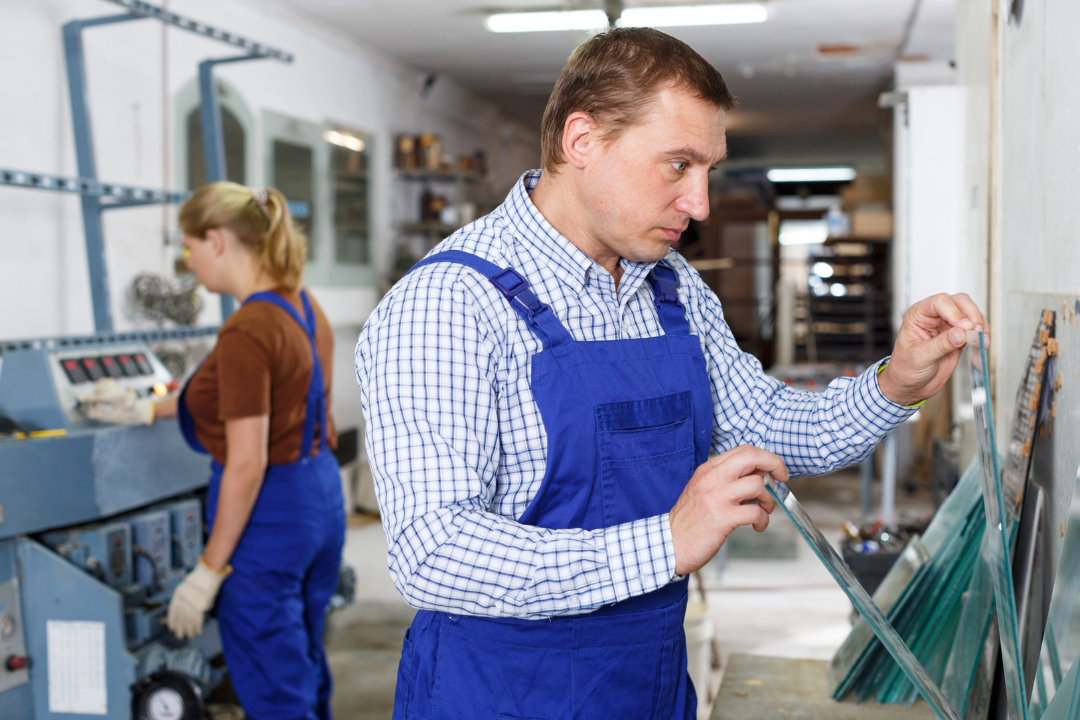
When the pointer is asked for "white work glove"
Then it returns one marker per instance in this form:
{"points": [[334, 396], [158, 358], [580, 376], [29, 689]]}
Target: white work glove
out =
{"points": [[193, 597], [112, 403]]}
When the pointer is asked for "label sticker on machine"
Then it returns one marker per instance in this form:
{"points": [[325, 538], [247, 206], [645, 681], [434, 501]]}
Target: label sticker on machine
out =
{"points": [[76, 660]]}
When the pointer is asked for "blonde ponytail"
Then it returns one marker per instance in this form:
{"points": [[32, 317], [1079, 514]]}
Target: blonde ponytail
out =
{"points": [[260, 219]]}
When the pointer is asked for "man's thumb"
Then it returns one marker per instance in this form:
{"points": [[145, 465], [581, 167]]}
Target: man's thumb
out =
{"points": [[948, 342]]}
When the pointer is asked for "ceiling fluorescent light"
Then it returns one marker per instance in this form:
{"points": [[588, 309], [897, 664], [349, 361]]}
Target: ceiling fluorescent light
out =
{"points": [[826, 174], [547, 21], [803, 232], [686, 15], [672, 16]]}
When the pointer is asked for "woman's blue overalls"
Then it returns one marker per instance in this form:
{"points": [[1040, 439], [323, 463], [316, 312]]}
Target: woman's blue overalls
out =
{"points": [[271, 608], [627, 422]]}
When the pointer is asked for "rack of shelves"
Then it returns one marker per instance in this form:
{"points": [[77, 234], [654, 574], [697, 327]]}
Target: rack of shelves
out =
{"points": [[413, 238], [856, 326]]}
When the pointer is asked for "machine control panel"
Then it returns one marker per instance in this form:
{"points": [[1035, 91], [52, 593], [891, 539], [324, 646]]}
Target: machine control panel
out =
{"points": [[12, 641], [74, 372]]}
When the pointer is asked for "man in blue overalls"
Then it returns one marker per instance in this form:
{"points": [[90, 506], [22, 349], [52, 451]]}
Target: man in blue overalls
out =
{"points": [[542, 393]]}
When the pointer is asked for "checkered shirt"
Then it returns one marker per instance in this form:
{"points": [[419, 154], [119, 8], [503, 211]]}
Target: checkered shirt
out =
{"points": [[458, 448]]}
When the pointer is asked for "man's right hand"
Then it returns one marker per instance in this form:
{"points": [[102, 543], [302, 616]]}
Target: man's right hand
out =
{"points": [[717, 500]]}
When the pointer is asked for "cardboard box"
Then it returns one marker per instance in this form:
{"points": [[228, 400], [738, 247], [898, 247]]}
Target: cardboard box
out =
{"points": [[872, 224]]}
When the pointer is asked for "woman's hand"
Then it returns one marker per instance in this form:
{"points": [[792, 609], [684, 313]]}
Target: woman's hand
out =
{"points": [[193, 597], [111, 402]]}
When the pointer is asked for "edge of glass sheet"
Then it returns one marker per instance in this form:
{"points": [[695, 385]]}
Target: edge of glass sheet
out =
{"points": [[862, 602], [997, 526], [1061, 641], [893, 591]]}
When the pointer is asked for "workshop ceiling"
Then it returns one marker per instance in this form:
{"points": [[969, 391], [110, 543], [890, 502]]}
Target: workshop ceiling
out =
{"points": [[815, 66]]}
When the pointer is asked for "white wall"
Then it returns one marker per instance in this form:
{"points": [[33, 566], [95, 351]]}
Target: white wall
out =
{"points": [[1023, 175], [133, 88], [930, 250]]}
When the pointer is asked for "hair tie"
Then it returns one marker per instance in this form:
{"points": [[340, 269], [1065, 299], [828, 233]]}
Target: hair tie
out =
{"points": [[259, 196]]}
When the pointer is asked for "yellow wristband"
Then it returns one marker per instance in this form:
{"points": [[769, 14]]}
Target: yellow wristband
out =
{"points": [[916, 406], [224, 572]]}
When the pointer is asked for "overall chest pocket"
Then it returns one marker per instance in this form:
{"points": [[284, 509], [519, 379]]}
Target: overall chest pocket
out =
{"points": [[646, 455]]}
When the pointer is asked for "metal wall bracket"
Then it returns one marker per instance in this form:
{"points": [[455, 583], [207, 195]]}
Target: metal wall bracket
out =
{"points": [[97, 196]]}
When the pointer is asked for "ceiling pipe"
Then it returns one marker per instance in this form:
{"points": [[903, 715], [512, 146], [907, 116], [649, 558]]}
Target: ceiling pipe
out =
{"points": [[613, 9]]}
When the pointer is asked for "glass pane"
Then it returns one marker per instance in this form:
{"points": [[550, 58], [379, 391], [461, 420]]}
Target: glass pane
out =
{"points": [[932, 570], [234, 148], [1000, 517], [862, 602], [294, 176], [349, 175], [1061, 646], [975, 621]]}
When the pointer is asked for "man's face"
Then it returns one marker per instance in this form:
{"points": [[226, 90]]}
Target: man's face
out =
{"points": [[642, 189]]}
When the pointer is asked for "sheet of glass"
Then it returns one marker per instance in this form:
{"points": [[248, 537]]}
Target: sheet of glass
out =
{"points": [[950, 519], [853, 654], [1061, 643], [975, 619], [862, 602], [929, 626], [1065, 705], [997, 526]]}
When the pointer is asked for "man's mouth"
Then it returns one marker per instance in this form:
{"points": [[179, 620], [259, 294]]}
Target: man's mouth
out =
{"points": [[672, 234]]}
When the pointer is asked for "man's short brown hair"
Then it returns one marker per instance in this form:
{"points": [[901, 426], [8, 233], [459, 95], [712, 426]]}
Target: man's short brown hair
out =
{"points": [[614, 77]]}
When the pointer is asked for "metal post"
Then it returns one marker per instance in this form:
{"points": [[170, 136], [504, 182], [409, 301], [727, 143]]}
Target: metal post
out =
{"points": [[888, 481], [213, 141], [866, 478], [84, 156], [213, 133]]}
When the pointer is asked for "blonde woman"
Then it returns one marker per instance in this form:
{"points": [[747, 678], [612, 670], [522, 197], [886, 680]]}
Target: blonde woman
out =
{"points": [[258, 406]]}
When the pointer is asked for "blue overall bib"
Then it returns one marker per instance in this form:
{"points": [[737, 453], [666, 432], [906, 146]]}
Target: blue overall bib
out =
{"points": [[627, 422], [285, 568]]}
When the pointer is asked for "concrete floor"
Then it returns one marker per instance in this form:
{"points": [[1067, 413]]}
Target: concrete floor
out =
{"points": [[787, 607]]}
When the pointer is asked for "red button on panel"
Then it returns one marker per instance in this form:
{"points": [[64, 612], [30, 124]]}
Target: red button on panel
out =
{"points": [[16, 663]]}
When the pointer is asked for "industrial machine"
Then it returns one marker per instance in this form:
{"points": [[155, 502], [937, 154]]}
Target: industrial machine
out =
{"points": [[98, 524]]}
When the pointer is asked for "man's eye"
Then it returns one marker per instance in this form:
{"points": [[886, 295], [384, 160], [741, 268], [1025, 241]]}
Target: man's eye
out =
{"points": [[679, 165]]}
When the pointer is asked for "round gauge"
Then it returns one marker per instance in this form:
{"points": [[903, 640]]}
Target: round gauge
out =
{"points": [[166, 695], [7, 626], [165, 704]]}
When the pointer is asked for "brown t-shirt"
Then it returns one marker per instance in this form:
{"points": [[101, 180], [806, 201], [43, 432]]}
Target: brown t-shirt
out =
{"points": [[262, 366]]}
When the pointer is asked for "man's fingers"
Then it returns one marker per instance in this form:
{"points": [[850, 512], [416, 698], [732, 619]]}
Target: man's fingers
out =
{"points": [[971, 311], [749, 460], [947, 343], [751, 515]]}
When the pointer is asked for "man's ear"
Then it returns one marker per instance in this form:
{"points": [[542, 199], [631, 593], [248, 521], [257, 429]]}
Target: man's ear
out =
{"points": [[216, 238], [580, 135]]}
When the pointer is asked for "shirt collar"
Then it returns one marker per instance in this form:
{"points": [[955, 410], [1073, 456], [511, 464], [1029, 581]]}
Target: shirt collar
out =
{"points": [[561, 255]]}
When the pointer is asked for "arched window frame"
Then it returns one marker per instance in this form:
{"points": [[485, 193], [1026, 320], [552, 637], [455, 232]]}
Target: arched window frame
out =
{"points": [[187, 101]]}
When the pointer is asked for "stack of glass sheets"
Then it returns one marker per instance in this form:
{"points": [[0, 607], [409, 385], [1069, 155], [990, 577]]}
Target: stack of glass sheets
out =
{"points": [[951, 597], [922, 596]]}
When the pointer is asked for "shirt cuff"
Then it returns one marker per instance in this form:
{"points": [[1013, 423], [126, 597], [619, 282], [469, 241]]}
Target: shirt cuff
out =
{"points": [[641, 556], [870, 409]]}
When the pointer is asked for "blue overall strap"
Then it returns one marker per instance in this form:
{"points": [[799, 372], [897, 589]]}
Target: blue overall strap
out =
{"points": [[316, 395], [665, 285], [515, 288]]}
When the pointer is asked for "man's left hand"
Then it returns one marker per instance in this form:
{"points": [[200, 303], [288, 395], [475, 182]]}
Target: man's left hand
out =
{"points": [[928, 347]]}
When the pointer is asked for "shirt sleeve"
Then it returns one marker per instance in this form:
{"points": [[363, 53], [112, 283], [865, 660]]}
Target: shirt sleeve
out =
{"points": [[243, 365], [427, 364], [814, 432]]}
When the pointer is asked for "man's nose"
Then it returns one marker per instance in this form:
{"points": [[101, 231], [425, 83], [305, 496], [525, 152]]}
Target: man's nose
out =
{"points": [[695, 202]]}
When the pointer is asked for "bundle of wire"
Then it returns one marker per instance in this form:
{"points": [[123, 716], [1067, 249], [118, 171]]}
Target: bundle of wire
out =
{"points": [[163, 300]]}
